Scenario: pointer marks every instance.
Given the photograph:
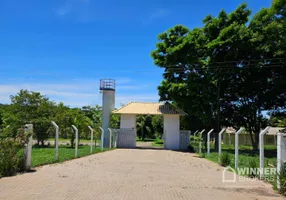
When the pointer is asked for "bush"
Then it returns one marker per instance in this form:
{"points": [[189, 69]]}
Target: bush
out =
{"points": [[12, 158], [203, 155], [12, 155], [159, 141], [191, 148], [282, 178], [254, 165], [225, 159]]}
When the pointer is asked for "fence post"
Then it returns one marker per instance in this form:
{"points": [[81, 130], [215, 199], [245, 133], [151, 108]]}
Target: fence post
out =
{"points": [[208, 141], [110, 137], [57, 139], [261, 151], [219, 142], [76, 140], [236, 147], [28, 149], [115, 138], [91, 138], [195, 135], [101, 138], [200, 143]]}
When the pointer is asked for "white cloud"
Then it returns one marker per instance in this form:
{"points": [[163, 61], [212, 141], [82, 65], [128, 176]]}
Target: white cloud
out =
{"points": [[77, 93]]}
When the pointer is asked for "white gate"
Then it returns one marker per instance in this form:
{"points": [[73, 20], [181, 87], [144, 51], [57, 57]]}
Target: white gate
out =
{"points": [[126, 138], [184, 139]]}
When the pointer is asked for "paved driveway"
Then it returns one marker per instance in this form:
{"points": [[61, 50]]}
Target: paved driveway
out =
{"points": [[132, 174]]}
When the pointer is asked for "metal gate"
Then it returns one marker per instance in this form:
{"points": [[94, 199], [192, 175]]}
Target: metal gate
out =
{"points": [[184, 139], [126, 138]]}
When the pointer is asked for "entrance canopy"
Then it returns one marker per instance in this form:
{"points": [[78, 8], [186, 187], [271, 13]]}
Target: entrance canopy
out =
{"points": [[171, 115], [144, 108]]}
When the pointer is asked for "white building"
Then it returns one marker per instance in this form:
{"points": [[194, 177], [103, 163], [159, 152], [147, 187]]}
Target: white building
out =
{"points": [[173, 138]]}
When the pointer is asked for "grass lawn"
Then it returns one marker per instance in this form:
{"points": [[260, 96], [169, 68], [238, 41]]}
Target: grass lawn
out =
{"points": [[158, 143], [145, 140], [46, 155], [245, 156]]}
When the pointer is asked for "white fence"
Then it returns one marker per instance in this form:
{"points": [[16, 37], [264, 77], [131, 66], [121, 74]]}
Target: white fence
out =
{"points": [[114, 137], [126, 138]]}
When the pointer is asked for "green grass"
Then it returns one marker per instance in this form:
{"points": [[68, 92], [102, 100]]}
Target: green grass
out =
{"points": [[158, 143], [246, 155], [46, 155], [145, 140]]}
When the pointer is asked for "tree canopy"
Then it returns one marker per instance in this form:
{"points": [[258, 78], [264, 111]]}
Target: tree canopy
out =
{"points": [[229, 71], [35, 108]]}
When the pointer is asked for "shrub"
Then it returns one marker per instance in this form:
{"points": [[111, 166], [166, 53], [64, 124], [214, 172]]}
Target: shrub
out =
{"points": [[191, 148], [195, 138], [282, 178], [12, 157], [254, 165], [159, 141], [225, 159], [203, 155]]}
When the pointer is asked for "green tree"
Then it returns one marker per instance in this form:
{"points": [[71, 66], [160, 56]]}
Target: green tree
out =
{"points": [[228, 71], [2, 111], [29, 107], [66, 117], [277, 119], [157, 125], [144, 127], [95, 116]]}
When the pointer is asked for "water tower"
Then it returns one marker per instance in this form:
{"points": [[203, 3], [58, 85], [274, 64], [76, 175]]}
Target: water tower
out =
{"points": [[107, 87]]}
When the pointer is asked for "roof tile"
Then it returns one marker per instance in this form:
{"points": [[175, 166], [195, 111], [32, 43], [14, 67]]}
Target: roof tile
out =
{"points": [[144, 108]]}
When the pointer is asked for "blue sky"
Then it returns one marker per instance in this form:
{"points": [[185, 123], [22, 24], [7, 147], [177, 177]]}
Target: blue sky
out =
{"points": [[63, 47]]}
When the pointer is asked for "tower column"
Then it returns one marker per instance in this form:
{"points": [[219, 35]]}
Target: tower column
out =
{"points": [[107, 86]]}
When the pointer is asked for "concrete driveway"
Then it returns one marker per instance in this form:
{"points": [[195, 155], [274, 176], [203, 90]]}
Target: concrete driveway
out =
{"points": [[133, 174]]}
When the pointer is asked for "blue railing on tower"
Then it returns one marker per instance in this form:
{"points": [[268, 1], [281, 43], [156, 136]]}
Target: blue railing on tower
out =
{"points": [[107, 84]]}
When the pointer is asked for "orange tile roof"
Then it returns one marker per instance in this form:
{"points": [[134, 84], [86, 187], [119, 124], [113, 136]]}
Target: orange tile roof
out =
{"points": [[144, 108]]}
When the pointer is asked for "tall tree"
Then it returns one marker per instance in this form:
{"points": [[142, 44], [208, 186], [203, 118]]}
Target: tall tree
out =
{"points": [[66, 117], [94, 114], [3, 108], [157, 125], [30, 107], [228, 71], [144, 126]]}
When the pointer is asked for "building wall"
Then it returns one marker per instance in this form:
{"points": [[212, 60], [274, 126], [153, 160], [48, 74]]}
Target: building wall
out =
{"points": [[244, 139], [128, 121], [127, 134], [172, 132]]}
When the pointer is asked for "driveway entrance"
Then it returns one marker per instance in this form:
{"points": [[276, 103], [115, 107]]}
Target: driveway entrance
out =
{"points": [[125, 174]]}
